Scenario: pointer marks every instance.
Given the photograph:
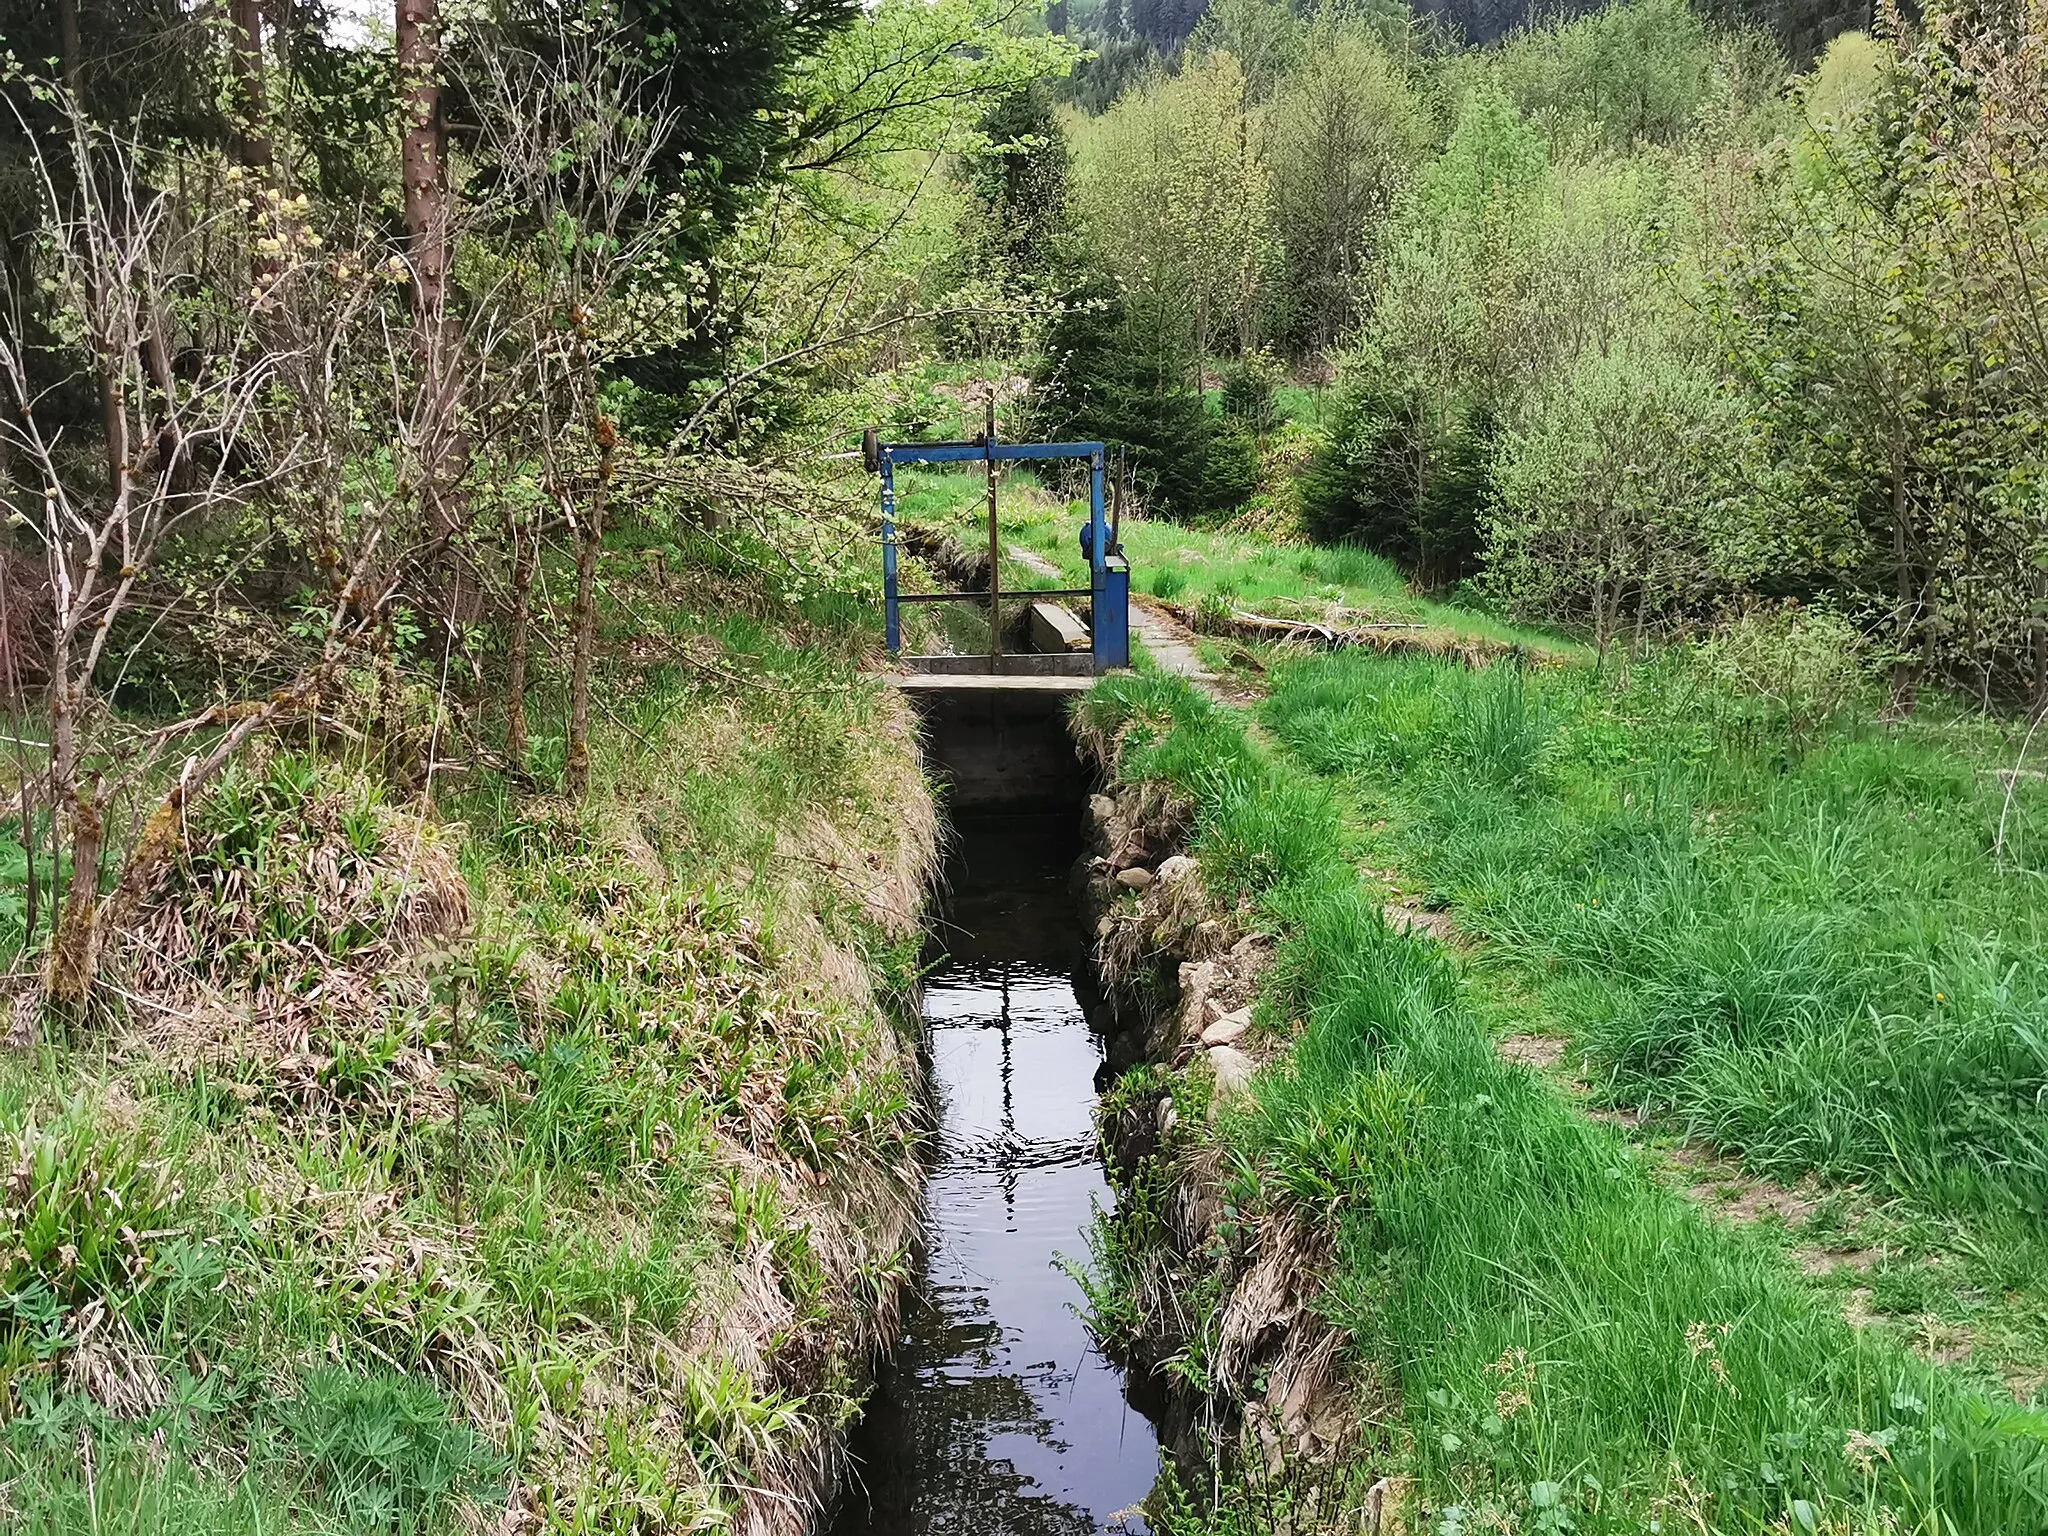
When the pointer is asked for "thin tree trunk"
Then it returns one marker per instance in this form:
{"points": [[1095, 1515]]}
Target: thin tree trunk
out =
{"points": [[1907, 669], [73, 957], [72, 50], [585, 620], [74, 941], [525, 544], [30, 893], [252, 99], [444, 450], [10, 678]]}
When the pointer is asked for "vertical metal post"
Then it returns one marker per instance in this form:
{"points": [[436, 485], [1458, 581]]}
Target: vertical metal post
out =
{"points": [[892, 611], [995, 553], [1098, 543], [1098, 550]]}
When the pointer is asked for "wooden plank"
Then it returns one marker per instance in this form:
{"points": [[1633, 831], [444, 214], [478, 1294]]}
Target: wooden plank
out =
{"points": [[1064, 663], [1054, 629], [943, 682]]}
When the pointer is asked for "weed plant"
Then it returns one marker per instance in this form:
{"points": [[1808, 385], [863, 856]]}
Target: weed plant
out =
{"points": [[1572, 1345]]}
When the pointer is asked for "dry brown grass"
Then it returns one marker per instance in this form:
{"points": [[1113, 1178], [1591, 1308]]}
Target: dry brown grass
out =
{"points": [[278, 948]]}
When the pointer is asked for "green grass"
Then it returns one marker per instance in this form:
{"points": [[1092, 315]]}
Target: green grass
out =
{"points": [[1807, 952], [1570, 1344], [1311, 407]]}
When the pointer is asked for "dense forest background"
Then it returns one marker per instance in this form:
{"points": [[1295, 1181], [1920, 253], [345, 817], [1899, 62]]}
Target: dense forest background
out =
{"points": [[1633, 315]]}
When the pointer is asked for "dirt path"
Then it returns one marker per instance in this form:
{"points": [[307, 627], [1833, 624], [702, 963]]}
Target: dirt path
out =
{"points": [[1172, 644]]}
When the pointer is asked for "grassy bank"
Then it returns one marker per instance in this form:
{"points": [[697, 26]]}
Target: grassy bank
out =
{"points": [[1540, 1333], [484, 1162], [1821, 944]]}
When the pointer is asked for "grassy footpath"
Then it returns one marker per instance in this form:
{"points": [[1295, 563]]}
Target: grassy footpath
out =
{"points": [[1564, 1342], [489, 1163], [1822, 947]]}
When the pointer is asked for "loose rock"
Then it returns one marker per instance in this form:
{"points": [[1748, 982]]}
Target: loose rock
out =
{"points": [[1233, 1071], [1136, 878], [1176, 869], [1196, 978], [1226, 1030]]}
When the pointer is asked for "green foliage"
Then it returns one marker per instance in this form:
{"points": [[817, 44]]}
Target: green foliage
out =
{"points": [[1120, 368], [1230, 465], [85, 1207], [1621, 75], [1605, 493], [1345, 133], [1176, 201], [1251, 387], [1791, 670], [1414, 489], [1264, 36], [385, 1452], [1019, 181], [1869, 314]]}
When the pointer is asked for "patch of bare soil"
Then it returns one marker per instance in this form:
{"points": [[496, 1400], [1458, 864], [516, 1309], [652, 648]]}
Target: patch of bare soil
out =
{"points": [[1540, 1053], [1725, 1189], [1406, 919]]}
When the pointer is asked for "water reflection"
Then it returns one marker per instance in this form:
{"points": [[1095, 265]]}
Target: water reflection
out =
{"points": [[997, 1415]]}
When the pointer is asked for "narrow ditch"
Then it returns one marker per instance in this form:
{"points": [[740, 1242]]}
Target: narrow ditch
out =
{"points": [[997, 1413]]}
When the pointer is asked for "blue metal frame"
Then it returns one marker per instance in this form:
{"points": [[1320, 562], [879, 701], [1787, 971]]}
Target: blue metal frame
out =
{"points": [[1109, 576]]}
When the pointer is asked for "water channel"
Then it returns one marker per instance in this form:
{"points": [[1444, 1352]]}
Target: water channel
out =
{"points": [[997, 1415]]}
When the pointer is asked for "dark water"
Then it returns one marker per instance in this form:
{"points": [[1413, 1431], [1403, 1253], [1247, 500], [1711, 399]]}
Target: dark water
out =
{"points": [[997, 1415]]}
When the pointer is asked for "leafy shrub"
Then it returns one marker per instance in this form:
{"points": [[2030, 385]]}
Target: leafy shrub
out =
{"points": [[78, 1213], [1789, 668], [1251, 390], [1388, 480], [385, 1449], [1122, 371]]}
